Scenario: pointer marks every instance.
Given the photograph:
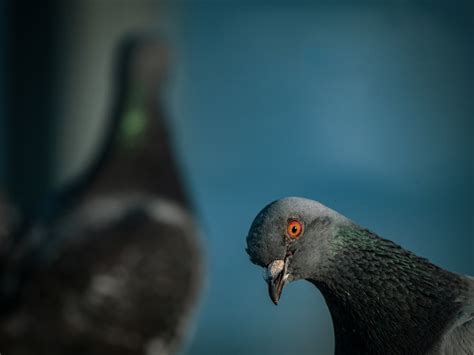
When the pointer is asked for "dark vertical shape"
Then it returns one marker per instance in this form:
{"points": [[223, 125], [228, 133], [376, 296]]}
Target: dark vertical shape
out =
{"points": [[150, 166], [29, 99], [3, 147]]}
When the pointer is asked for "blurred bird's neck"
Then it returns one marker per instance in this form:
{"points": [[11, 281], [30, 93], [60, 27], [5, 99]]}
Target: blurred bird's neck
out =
{"points": [[140, 154], [384, 299], [135, 121]]}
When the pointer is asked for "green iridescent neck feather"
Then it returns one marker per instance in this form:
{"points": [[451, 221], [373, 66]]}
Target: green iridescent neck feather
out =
{"points": [[134, 123]]}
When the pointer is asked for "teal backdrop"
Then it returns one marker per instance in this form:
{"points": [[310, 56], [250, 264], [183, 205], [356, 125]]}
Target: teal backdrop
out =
{"points": [[367, 108]]}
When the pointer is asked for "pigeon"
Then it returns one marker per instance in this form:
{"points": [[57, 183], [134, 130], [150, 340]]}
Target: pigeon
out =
{"points": [[382, 298], [113, 264]]}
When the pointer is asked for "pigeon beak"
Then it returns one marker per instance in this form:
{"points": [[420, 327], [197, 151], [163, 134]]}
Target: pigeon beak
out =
{"points": [[276, 278]]}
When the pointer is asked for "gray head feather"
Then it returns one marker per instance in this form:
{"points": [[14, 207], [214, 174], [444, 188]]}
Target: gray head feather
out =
{"points": [[267, 239]]}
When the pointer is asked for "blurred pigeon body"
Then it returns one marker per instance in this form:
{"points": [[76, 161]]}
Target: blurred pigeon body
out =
{"points": [[382, 298], [113, 266]]}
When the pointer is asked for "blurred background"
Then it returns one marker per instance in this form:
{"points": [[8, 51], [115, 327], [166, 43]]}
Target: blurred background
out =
{"points": [[368, 108]]}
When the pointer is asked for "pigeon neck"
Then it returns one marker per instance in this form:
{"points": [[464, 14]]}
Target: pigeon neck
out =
{"points": [[139, 156], [384, 299], [132, 126]]}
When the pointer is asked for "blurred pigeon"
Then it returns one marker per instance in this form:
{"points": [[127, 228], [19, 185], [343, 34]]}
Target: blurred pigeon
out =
{"points": [[382, 298], [113, 266]]}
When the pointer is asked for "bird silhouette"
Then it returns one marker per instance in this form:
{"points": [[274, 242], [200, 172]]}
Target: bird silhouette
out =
{"points": [[113, 263]]}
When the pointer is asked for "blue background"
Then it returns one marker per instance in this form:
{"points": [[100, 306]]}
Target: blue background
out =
{"points": [[367, 108]]}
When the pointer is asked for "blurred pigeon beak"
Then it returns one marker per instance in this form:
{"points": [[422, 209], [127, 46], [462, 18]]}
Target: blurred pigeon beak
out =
{"points": [[276, 278]]}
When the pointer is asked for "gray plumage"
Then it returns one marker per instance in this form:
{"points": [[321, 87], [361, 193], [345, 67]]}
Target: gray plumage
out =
{"points": [[118, 275], [113, 264], [382, 298]]}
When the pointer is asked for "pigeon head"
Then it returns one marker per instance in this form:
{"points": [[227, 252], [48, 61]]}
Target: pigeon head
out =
{"points": [[290, 238]]}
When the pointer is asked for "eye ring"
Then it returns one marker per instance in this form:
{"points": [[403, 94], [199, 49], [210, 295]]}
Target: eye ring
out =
{"points": [[294, 228]]}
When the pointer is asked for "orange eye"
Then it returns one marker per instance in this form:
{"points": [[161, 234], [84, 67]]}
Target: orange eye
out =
{"points": [[294, 228]]}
